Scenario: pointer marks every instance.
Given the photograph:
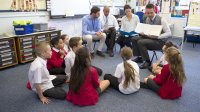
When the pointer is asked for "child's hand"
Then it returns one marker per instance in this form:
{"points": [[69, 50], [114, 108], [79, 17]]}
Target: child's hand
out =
{"points": [[44, 100], [151, 76], [145, 80], [62, 53]]}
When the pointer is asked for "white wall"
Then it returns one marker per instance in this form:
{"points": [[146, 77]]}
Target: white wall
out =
{"points": [[70, 26], [7, 18]]}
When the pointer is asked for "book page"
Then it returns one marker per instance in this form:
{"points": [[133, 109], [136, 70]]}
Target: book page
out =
{"points": [[141, 28], [155, 30], [148, 29]]}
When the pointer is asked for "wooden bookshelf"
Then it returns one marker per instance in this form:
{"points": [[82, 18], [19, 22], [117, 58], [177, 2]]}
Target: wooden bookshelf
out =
{"points": [[8, 54]]}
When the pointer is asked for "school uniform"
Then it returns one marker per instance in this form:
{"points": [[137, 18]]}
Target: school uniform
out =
{"points": [[87, 94], [69, 63], [66, 48], [163, 60], [55, 63], [38, 74], [117, 81], [165, 85]]}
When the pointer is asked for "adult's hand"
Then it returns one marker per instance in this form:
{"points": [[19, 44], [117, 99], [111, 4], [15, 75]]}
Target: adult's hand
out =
{"points": [[153, 36]]}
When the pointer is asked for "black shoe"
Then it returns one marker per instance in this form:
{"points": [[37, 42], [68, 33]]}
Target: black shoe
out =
{"points": [[138, 60], [92, 55], [99, 53], [144, 65]]}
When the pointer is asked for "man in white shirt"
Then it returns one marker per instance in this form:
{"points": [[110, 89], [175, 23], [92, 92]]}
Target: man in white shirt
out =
{"points": [[142, 44], [109, 25]]}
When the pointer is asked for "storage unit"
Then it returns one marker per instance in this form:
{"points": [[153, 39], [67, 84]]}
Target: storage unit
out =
{"points": [[26, 44], [25, 48], [54, 34], [8, 55]]}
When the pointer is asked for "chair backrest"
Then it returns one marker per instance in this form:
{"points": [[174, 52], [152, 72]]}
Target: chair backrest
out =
{"points": [[140, 15]]}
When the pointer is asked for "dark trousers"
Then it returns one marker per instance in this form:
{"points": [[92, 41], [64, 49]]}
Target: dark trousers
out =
{"points": [[141, 46], [122, 41], [57, 71], [110, 39], [99, 71], [56, 92], [150, 85], [114, 83]]}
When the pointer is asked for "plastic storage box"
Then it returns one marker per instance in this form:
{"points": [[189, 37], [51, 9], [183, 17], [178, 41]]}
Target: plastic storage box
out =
{"points": [[23, 29]]}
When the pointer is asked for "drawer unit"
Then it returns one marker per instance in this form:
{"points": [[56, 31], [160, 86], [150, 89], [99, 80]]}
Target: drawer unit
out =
{"points": [[41, 38], [54, 34], [26, 44], [8, 56]]}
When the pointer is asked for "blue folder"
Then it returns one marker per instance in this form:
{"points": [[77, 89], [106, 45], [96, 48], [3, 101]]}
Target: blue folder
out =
{"points": [[123, 33]]}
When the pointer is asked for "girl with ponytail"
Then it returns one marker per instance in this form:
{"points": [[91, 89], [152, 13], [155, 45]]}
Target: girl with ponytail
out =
{"points": [[126, 78], [168, 84]]}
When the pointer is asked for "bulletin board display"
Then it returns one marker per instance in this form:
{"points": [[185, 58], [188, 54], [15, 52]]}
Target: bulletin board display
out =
{"points": [[22, 5], [194, 15]]}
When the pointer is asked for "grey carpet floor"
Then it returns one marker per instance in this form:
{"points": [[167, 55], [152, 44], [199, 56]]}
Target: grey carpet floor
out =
{"points": [[15, 97]]}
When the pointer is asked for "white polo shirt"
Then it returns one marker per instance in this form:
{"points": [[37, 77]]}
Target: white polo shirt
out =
{"points": [[133, 86], [127, 25], [69, 62], [108, 21], [38, 74]]}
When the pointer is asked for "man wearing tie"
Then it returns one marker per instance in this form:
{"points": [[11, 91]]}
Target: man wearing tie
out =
{"points": [[109, 25]]}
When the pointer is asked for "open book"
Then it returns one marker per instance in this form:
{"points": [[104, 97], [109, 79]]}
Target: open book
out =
{"points": [[148, 29]]}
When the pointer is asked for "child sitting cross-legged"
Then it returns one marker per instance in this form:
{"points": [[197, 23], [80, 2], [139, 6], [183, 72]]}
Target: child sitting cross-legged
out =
{"points": [[56, 64], [45, 85], [126, 78], [84, 85], [168, 84]]}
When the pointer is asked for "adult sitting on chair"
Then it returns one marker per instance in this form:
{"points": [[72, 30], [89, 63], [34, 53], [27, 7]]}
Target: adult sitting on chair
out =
{"points": [[142, 44], [91, 27], [109, 25], [128, 25]]}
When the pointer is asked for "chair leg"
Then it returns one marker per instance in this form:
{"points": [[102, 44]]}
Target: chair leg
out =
{"points": [[152, 57], [94, 45], [156, 55]]}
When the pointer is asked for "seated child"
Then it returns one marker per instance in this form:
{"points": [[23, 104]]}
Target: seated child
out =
{"points": [[157, 67], [84, 86], [75, 43], [126, 78], [65, 39], [41, 82], [56, 62], [168, 84]]}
